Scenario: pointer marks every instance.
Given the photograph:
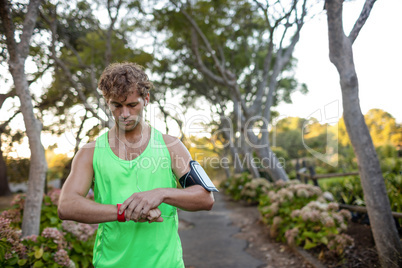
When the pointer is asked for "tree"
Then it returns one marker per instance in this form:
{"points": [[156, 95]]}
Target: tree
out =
{"points": [[383, 128], [18, 53], [287, 134], [341, 55], [246, 48]]}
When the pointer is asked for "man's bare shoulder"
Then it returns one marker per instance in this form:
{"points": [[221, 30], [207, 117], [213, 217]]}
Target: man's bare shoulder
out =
{"points": [[172, 142], [86, 152], [179, 154]]}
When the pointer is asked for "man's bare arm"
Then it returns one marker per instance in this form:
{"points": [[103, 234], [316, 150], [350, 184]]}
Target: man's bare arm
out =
{"points": [[73, 205]]}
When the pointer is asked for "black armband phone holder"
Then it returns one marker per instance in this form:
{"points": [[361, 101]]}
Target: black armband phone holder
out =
{"points": [[197, 176]]}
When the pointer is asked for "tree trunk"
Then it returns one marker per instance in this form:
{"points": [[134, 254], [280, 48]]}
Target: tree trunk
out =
{"points": [[38, 165], [382, 224], [4, 188], [271, 163], [225, 164], [18, 52], [249, 157]]}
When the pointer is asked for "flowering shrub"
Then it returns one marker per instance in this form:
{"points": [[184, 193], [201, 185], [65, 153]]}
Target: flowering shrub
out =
{"points": [[253, 189], [81, 238], [46, 250], [61, 243], [234, 185], [298, 214]]}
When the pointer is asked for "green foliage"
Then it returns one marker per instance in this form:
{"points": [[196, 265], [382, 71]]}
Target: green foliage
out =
{"points": [[60, 242], [49, 216], [349, 190], [394, 190], [298, 214], [386, 151], [238, 33], [391, 165], [234, 185], [346, 191]]}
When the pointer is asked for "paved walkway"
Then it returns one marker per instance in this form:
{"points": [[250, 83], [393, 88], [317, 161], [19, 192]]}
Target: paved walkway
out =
{"points": [[209, 243]]}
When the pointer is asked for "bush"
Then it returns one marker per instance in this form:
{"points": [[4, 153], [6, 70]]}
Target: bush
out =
{"points": [[254, 189], [234, 185], [299, 215], [61, 243], [349, 190]]}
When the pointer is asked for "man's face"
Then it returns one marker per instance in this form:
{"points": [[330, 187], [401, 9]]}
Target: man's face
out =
{"points": [[128, 112]]}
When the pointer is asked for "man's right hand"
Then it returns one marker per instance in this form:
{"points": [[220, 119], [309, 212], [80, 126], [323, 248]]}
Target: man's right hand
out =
{"points": [[154, 215]]}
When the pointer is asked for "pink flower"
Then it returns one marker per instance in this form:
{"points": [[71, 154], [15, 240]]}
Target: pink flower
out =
{"points": [[61, 258], [54, 195], [333, 206], [295, 213], [33, 238], [19, 200], [81, 231], [346, 214], [291, 235], [12, 214], [55, 235]]}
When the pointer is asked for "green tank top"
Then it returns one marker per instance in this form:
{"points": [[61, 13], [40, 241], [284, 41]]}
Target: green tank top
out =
{"points": [[131, 244]]}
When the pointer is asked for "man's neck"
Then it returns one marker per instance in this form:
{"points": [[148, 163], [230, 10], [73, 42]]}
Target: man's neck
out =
{"points": [[131, 136]]}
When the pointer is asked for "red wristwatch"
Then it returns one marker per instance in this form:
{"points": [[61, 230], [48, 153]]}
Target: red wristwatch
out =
{"points": [[120, 217]]}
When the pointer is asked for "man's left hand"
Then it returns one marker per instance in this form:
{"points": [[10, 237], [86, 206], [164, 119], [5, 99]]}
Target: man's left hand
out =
{"points": [[139, 204]]}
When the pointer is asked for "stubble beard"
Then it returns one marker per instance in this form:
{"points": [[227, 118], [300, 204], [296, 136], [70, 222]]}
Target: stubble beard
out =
{"points": [[134, 123]]}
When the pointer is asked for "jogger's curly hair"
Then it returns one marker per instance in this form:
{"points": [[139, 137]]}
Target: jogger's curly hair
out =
{"points": [[119, 80]]}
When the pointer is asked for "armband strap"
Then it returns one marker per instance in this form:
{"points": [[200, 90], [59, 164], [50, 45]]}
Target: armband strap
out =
{"points": [[197, 176], [120, 217]]}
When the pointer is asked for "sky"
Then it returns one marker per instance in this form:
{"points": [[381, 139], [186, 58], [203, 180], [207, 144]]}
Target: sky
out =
{"points": [[377, 57]]}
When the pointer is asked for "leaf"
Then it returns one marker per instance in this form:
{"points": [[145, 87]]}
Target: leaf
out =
{"points": [[85, 263], [22, 262], [53, 220], [39, 253], [13, 261], [77, 247], [309, 234], [309, 244], [46, 256], [38, 264], [324, 240]]}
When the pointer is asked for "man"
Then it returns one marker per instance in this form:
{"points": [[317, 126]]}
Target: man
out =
{"points": [[133, 167]]}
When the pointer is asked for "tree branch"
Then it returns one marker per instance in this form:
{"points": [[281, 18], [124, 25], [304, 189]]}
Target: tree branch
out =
{"points": [[204, 69], [29, 26], [231, 83], [368, 5], [8, 26], [113, 19], [3, 125], [3, 97], [336, 34], [69, 75]]}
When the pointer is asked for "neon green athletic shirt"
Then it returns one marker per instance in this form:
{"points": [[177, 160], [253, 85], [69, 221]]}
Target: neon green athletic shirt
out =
{"points": [[131, 244]]}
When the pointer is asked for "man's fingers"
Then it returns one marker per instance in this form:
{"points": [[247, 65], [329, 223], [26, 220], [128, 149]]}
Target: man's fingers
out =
{"points": [[136, 215], [124, 205], [154, 215], [160, 219]]}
